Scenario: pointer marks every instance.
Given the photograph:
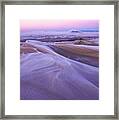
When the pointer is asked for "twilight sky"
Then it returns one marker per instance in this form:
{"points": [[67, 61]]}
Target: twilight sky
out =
{"points": [[58, 24]]}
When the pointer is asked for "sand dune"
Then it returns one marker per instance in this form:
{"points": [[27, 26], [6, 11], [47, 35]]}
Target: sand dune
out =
{"points": [[27, 50], [72, 48], [56, 78], [48, 75], [93, 42], [80, 49]]}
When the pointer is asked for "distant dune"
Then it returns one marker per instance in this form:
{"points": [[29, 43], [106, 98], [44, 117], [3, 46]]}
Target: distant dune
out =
{"points": [[93, 42]]}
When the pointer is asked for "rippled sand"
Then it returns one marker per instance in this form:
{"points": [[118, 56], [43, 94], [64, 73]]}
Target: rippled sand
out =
{"points": [[48, 75]]}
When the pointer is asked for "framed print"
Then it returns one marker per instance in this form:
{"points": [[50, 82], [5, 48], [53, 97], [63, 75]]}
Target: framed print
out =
{"points": [[59, 60]]}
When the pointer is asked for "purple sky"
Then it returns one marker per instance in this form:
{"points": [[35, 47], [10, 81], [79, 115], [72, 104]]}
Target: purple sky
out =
{"points": [[58, 24]]}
